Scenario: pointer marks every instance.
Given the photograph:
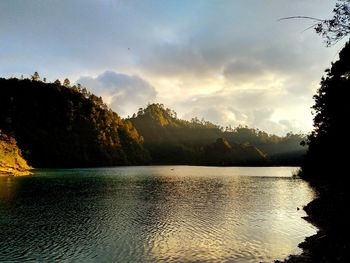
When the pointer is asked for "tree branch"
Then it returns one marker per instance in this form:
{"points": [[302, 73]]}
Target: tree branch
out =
{"points": [[301, 17]]}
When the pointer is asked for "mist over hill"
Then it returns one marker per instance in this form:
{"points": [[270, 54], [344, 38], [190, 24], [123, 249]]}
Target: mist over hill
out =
{"points": [[170, 139], [66, 126]]}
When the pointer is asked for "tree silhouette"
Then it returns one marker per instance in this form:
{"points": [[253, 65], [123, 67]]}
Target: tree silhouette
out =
{"points": [[35, 76], [329, 136], [328, 139], [334, 29], [338, 27], [326, 161], [63, 127], [66, 82]]}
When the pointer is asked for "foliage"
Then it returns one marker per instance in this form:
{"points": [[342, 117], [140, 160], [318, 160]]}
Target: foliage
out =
{"points": [[56, 126], [338, 27], [66, 82], [11, 160], [35, 76], [173, 140], [325, 157], [334, 29], [223, 153], [59, 126]]}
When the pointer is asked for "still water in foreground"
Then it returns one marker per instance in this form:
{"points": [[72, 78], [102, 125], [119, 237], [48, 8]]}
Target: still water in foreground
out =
{"points": [[153, 214]]}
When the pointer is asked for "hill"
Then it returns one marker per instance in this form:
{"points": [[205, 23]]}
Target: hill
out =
{"points": [[281, 150], [223, 153], [11, 160], [59, 126], [62, 126], [173, 140]]}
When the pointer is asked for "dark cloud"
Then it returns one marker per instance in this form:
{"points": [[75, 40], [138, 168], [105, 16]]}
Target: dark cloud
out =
{"points": [[243, 70], [263, 67], [123, 93], [172, 59]]}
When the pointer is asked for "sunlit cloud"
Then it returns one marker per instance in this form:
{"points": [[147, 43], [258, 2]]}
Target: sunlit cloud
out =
{"points": [[231, 62], [123, 93]]}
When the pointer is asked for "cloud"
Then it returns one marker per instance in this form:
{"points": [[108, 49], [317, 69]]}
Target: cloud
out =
{"points": [[262, 109], [243, 70], [175, 59], [220, 115], [231, 62], [122, 92]]}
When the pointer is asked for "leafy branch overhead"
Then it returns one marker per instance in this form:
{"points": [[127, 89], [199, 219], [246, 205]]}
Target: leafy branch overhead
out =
{"points": [[335, 29], [338, 27]]}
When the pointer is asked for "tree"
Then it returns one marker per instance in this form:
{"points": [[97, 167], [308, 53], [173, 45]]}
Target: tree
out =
{"points": [[327, 159], [328, 140], [66, 83], [35, 76], [140, 112], [57, 82], [334, 29], [61, 128], [338, 27]]}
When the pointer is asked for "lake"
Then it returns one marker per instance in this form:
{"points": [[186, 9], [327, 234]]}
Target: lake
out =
{"points": [[153, 214]]}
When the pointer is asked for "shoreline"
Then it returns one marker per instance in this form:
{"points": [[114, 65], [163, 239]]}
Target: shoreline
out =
{"points": [[309, 243], [10, 172], [12, 162], [328, 212]]}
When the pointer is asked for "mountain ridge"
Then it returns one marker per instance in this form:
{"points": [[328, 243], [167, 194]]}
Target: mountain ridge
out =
{"points": [[67, 126], [165, 136]]}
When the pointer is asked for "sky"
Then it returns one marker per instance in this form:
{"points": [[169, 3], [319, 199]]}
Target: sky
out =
{"points": [[231, 62]]}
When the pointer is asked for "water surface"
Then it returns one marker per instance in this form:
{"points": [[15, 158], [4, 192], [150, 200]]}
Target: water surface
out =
{"points": [[153, 214]]}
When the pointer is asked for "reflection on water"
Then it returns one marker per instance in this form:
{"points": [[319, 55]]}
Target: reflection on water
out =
{"points": [[150, 214]]}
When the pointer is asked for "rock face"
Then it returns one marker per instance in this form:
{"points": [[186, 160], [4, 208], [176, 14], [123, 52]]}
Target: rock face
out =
{"points": [[11, 160]]}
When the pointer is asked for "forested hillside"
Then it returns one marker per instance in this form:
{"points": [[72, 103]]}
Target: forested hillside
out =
{"points": [[173, 140], [62, 126]]}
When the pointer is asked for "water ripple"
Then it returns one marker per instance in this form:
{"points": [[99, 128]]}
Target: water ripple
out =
{"points": [[192, 214]]}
